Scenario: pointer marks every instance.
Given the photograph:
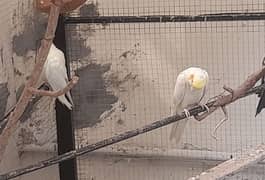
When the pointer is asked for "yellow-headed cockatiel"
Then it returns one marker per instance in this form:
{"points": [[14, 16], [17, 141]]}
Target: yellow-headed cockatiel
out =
{"points": [[189, 90], [54, 73]]}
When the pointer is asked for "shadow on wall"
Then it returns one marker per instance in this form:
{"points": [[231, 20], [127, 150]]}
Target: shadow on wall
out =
{"points": [[91, 96], [79, 33]]}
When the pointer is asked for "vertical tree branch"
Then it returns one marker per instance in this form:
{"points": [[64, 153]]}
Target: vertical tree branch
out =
{"points": [[26, 95]]}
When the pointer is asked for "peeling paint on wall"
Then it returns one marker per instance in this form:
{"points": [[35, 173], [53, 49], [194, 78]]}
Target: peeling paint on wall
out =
{"points": [[35, 26], [77, 40], [78, 34], [90, 9], [40, 129], [91, 94], [26, 137]]}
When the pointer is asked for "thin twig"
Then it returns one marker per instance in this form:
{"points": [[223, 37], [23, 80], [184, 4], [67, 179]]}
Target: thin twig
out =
{"points": [[213, 134], [60, 92], [26, 95]]}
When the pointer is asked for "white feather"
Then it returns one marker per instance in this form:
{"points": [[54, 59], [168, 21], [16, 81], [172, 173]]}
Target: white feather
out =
{"points": [[185, 96], [54, 72]]}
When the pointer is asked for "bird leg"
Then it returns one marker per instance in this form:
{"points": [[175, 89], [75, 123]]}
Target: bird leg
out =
{"points": [[209, 110], [205, 113], [213, 134], [214, 98], [60, 92]]}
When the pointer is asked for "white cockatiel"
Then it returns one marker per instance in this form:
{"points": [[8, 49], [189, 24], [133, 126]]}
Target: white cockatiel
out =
{"points": [[55, 74], [189, 90]]}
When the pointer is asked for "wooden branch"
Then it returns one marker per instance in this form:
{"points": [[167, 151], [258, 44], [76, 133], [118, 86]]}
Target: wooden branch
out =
{"points": [[60, 92], [26, 95], [232, 166], [241, 90], [223, 100]]}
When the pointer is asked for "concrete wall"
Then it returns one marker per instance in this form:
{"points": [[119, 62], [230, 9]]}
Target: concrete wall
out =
{"points": [[21, 28], [127, 74]]}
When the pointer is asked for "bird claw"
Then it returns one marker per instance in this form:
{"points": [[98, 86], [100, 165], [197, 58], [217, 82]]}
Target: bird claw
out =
{"points": [[206, 107], [187, 113], [32, 90]]}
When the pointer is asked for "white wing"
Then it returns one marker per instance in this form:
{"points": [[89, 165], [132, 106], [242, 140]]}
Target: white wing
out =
{"points": [[206, 86], [56, 75], [178, 97], [179, 92]]}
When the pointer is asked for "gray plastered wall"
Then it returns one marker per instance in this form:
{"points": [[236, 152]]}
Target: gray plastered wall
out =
{"points": [[22, 27]]}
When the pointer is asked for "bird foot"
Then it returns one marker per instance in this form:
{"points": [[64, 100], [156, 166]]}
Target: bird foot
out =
{"points": [[187, 113], [206, 107], [200, 117]]}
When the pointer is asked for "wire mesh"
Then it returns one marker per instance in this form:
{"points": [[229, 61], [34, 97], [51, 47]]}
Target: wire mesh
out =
{"points": [[170, 7], [127, 75]]}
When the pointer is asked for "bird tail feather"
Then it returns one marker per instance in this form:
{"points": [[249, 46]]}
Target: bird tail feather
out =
{"points": [[177, 130], [64, 101], [68, 94]]}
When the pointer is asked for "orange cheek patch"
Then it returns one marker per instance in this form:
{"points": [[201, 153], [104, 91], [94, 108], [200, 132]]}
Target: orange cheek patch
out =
{"points": [[191, 77]]}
